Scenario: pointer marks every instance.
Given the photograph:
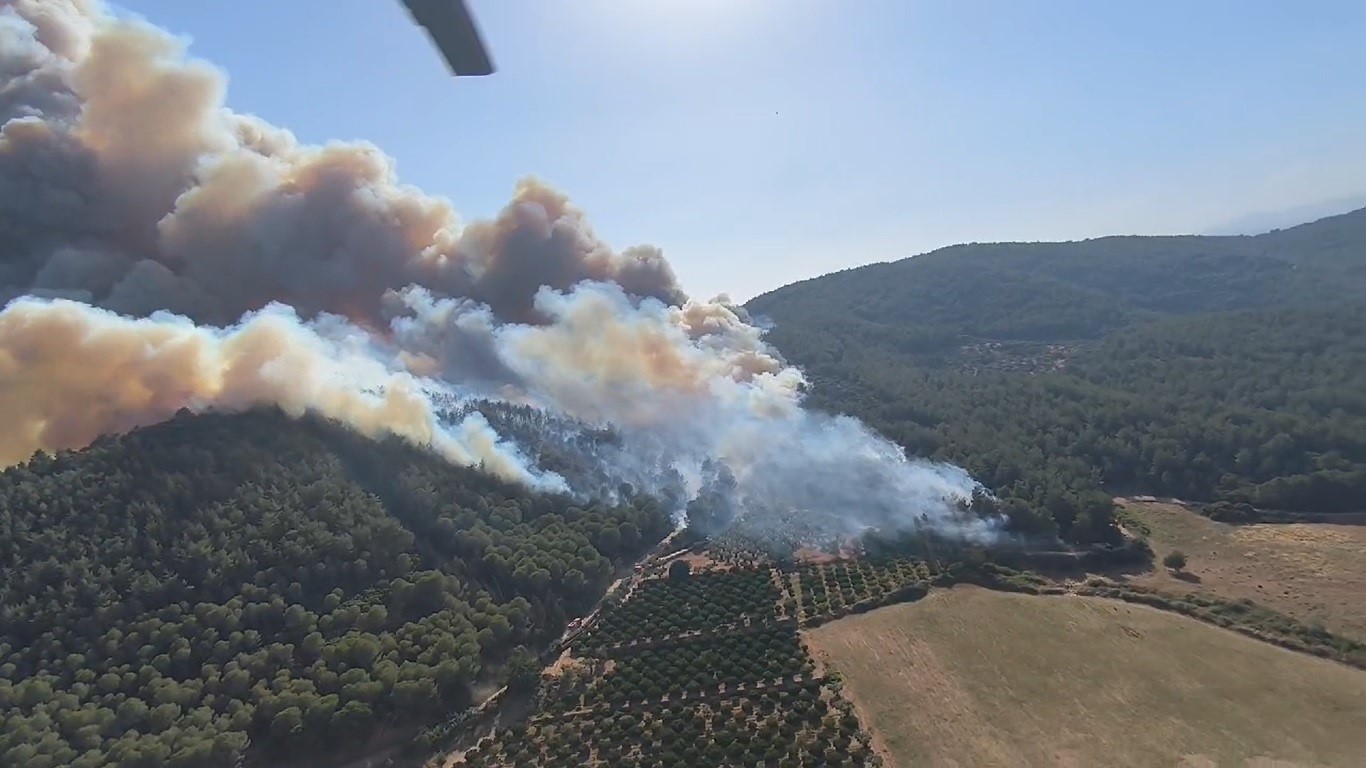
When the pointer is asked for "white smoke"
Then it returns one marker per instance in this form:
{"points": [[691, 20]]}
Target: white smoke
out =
{"points": [[71, 372], [159, 251]]}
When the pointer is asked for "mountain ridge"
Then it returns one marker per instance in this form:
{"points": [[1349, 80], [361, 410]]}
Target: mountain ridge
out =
{"points": [[1211, 368], [1260, 222], [1228, 271]]}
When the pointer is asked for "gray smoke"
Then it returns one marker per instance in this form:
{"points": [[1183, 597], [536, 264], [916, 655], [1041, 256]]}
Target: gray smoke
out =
{"points": [[160, 251], [124, 180]]}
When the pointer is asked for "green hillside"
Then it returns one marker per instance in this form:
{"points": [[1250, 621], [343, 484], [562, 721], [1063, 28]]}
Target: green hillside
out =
{"points": [[1209, 368], [226, 585]]}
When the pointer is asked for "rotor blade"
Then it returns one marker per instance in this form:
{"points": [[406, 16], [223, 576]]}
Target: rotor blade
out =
{"points": [[452, 29]]}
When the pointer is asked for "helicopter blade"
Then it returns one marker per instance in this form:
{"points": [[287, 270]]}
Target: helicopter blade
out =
{"points": [[451, 27]]}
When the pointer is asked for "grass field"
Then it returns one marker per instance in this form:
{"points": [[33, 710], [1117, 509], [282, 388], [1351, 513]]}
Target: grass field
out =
{"points": [[1315, 572], [971, 677]]}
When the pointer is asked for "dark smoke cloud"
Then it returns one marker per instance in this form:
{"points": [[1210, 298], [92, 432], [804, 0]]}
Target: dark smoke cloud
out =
{"points": [[167, 252], [117, 149]]}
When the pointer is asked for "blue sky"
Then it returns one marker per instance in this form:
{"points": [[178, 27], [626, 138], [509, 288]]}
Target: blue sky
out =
{"points": [[764, 141]]}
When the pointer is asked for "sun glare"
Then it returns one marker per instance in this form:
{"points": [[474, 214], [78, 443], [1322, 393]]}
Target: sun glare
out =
{"points": [[682, 18]]}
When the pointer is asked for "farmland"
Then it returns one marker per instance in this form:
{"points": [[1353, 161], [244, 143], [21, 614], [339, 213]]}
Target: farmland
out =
{"points": [[727, 657], [709, 600], [705, 667], [976, 677], [828, 590], [1315, 572]]}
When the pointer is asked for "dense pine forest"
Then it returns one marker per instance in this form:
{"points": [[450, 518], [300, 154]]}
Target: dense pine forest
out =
{"points": [[226, 585], [1208, 368]]}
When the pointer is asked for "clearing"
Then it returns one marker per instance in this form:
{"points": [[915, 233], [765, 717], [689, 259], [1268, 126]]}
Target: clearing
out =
{"points": [[973, 677], [1315, 572]]}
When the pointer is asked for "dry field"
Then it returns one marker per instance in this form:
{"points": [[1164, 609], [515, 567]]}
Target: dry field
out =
{"points": [[971, 677], [1315, 572]]}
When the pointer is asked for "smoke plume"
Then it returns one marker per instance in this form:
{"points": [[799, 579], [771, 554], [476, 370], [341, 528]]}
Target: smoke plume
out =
{"points": [[159, 251], [72, 373]]}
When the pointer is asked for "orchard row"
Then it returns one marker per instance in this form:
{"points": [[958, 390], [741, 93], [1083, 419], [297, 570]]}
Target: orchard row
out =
{"points": [[833, 589], [691, 666], [705, 601], [808, 724]]}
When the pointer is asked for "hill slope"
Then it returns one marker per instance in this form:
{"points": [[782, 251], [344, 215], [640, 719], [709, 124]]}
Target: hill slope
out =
{"points": [[222, 585], [1202, 367], [973, 677], [1080, 290]]}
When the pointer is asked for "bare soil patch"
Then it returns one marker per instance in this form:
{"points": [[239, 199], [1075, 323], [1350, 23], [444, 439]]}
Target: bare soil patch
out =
{"points": [[700, 561], [806, 555]]}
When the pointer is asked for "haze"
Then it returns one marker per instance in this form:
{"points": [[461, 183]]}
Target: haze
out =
{"points": [[759, 143]]}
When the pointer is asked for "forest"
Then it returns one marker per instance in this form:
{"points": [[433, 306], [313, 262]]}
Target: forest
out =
{"points": [[1214, 369], [250, 585]]}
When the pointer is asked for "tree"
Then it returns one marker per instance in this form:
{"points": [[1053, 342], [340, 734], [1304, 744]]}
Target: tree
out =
{"points": [[415, 696], [714, 507], [1175, 560], [288, 724], [523, 670], [679, 570]]}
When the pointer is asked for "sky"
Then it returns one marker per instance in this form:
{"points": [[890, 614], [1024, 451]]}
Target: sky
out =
{"points": [[759, 142]]}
